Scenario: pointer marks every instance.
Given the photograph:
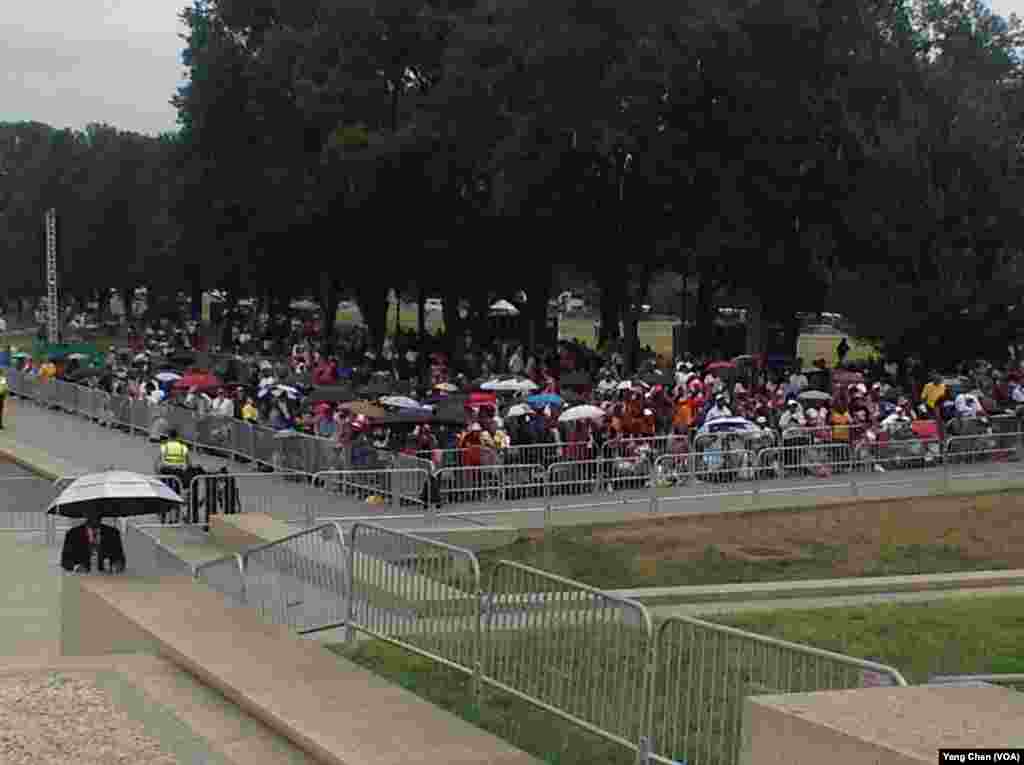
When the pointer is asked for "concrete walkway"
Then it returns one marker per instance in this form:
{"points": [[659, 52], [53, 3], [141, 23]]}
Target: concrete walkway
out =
{"points": [[63, 444], [839, 601]]}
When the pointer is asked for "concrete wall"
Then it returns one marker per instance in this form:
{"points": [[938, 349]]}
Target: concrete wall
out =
{"points": [[881, 726], [89, 626]]}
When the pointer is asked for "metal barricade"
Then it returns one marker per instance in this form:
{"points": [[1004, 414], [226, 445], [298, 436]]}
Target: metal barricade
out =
{"points": [[264, 446], [674, 470], [486, 483], [147, 555], [23, 503], [814, 459], [704, 671], [983, 447], [417, 593], [225, 575], [572, 650], [228, 493], [300, 581], [600, 475], [399, 488]]}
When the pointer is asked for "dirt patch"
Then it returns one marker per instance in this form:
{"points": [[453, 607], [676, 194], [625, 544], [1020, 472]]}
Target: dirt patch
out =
{"points": [[983, 526]]}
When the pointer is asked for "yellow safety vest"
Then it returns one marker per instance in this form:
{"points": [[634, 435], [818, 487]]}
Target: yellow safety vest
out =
{"points": [[174, 454]]}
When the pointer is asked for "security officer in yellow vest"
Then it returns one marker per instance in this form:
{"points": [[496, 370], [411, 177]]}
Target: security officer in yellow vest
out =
{"points": [[175, 459], [3, 396]]}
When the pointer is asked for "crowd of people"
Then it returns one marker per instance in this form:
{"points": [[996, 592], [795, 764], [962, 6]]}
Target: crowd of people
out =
{"points": [[499, 396]]}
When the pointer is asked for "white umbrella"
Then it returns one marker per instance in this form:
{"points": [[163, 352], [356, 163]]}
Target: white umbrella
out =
{"points": [[510, 385], [519, 410], [77, 356], [504, 307], [167, 377], [446, 387], [582, 412], [114, 494], [400, 402]]}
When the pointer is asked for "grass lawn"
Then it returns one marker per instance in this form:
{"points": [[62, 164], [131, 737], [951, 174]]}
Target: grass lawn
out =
{"points": [[540, 733], [961, 636], [570, 553]]}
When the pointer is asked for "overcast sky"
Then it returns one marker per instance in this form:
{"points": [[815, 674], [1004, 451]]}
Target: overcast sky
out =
{"points": [[71, 62]]}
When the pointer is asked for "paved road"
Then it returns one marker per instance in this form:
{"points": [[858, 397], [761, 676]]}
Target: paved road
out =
{"points": [[87, 446]]}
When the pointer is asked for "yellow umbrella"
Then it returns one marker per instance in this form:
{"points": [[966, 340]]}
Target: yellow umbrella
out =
{"points": [[366, 408]]}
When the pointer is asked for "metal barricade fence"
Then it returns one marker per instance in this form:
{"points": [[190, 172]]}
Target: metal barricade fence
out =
{"points": [[417, 593], [608, 474], [23, 503], [717, 470], [704, 671], [674, 470], [225, 575], [815, 459], [398, 488], [228, 493], [486, 483], [147, 555], [572, 650], [300, 581], [982, 447]]}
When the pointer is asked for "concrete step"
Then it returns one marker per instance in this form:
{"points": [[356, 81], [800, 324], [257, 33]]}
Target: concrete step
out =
{"points": [[192, 721]]}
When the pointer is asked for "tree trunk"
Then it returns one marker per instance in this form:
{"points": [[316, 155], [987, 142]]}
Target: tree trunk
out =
{"points": [[755, 325], [613, 292], [421, 327], [704, 321], [453, 326], [372, 300], [329, 308], [538, 294], [196, 285]]}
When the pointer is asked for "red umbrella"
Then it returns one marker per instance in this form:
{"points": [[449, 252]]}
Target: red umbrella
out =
{"points": [[198, 380], [480, 398], [714, 366]]}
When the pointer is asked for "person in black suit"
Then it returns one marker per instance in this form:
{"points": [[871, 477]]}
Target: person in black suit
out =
{"points": [[77, 553]]}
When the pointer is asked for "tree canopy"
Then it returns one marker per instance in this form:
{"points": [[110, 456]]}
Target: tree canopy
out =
{"points": [[858, 155]]}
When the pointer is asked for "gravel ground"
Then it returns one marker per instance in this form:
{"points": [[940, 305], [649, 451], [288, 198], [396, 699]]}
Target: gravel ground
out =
{"points": [[55, 719]]}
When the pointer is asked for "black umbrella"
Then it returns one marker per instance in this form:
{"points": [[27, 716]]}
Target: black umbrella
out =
{"points": [[577, 379], [335, 394]]}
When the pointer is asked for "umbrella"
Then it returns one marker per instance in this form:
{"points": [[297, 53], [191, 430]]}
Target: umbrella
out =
{"points": [[447, 387], [581, 412], [714, 366], [332, 394], [509, 385], [576, 379], [815, 395], [21, 355], [77, 356], [115, 494], [519, 410], [504, 308], [367, 408], [198, 380], [140, 357], [400, 402], [305, 305], [167, 377], [286, 390], [544, 399]]}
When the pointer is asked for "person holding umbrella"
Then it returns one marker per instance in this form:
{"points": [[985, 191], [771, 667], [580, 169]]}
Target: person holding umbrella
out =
{"points": [[93, 540]]}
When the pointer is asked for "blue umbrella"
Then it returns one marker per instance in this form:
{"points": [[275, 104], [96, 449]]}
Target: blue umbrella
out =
{"points": [[544, 399]]}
